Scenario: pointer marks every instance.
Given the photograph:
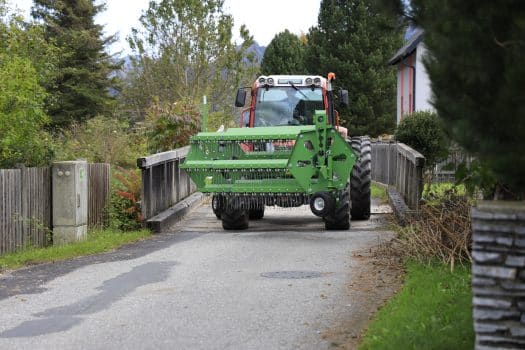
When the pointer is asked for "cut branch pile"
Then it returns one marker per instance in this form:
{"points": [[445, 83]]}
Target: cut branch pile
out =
{"points": [[440, 231]]}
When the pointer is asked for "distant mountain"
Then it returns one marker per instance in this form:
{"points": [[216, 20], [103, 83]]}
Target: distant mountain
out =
{"points": [[258, 50]]}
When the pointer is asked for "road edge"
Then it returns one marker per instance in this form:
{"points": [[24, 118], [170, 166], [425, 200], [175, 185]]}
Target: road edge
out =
{"points": [[161, 222]]}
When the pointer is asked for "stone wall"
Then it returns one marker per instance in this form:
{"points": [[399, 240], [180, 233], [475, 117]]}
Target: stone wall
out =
{"points": [[498, 274]]}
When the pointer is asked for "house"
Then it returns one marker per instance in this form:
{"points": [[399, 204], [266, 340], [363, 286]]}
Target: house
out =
{"points": [[413, 84]]}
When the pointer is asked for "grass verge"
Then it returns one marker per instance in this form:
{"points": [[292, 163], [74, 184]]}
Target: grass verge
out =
{"points": [[432, 311], [97, 242], [379, 192]]}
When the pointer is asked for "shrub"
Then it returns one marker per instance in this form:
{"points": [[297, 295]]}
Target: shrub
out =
{"points": [[170, 125], [423, 131], [22, 117], [216, 119], [102, 139], [123, 209]]}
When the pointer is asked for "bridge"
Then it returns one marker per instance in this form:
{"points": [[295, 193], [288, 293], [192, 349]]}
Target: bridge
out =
{"points": [[168, 193]]}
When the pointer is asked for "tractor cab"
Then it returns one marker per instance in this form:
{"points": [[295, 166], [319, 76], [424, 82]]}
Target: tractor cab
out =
{"points": [[282, 100]]}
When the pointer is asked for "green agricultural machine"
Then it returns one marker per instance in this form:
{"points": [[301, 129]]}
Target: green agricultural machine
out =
{"points": [[288, 151]]}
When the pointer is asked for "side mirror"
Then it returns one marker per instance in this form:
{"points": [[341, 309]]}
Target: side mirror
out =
{"points": [[343, 98], [240, 100]]}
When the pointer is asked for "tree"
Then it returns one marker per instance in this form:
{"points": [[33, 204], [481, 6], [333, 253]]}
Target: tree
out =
{"points": [[183, 51], [81, 88], [475, 64], [354, 40], [22, 117], [284, 55]]}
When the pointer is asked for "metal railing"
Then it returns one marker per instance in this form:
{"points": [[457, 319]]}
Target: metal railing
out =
{"points": [[398, 165], [163, 182]]}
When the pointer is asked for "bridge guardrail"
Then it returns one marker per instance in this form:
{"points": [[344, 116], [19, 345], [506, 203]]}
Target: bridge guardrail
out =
{"points": [[164, 183], [398, 165]]}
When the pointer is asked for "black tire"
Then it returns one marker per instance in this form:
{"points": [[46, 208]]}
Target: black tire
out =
{"points": [[235, 219], [217, 205], [235, 214], [340, 217], [360, 179], [328, 202], [256, 213]]}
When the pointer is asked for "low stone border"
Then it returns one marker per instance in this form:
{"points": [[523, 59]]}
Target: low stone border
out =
{"points": [[401, 211], [171, 216], [498, 272]]}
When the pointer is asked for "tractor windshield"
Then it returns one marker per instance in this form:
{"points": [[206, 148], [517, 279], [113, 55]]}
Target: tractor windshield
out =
{"points": [[287, 105]]}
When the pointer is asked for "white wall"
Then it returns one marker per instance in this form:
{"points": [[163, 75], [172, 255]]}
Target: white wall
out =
{"points": [[398, 98], [423, 92]]}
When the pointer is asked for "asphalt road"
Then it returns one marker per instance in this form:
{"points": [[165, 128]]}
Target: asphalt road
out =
{"points": [[278, 285]]}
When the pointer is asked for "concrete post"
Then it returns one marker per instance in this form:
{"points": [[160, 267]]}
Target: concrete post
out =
{"points": [[70, 202]]}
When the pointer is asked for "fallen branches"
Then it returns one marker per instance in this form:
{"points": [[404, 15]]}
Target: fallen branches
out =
{"points": [[441, 230]]}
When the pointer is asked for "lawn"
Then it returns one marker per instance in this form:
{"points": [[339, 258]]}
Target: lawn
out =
{"points": [[432, 311], [97, 242], [379, 192]]}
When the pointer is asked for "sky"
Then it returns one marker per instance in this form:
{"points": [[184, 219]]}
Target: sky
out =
{"points": [[264, 18]]}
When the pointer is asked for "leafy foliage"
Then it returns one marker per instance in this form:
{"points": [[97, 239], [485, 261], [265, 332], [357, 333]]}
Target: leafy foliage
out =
{"points": [[170, 125], [123, 209], [354, 40], [216, 119], [424, 132], [477, 177], [102, 139], [81, 85], [284, 55], [475, 63], [22, 116], [183, 51]]}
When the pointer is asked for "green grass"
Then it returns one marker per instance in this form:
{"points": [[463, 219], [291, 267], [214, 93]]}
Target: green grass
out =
{"points": [[432, 311], [379, 192], [439, 189], [97, 242]]}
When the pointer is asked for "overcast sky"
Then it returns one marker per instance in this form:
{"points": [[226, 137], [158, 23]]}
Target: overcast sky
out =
{"points": [[264, 18]]}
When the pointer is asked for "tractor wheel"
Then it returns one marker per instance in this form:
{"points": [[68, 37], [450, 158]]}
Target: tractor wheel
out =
{"points": [[360, 179], [256, 213], [217, 205], [235, 219], [235, 214], [340, 217]]}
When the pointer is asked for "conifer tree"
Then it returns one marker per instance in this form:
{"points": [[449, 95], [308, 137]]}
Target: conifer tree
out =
{"points": [[83, 84], [355, 40], [476, 51], [284, 55]]}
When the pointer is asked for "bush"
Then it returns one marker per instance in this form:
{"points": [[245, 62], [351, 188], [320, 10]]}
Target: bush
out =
{"points": [[102, 139], [22, 117], [216, 119], [123, 210], [170, 125], [423, 131]]}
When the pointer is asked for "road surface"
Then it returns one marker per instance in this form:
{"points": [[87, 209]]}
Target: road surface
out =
{"points": [[282, 284]]}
